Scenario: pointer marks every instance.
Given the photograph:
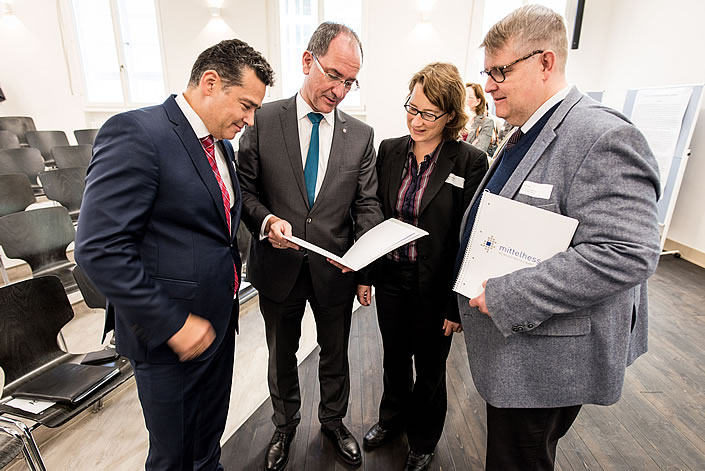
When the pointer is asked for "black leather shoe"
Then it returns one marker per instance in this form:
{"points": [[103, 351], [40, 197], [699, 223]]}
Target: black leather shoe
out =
{"points": [[345, 444], [377, 436], [277, 454], [418, 461]]}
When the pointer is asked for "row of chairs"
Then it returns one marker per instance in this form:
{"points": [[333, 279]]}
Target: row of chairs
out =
{"points": [[20, 126], [65, 186]]}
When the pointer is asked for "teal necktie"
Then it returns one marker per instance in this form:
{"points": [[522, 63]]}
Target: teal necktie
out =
{"points": [[311, 168]]}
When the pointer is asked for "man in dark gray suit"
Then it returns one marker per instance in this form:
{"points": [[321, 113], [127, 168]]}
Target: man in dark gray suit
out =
{"points": [[308, 169], [544, 340]]}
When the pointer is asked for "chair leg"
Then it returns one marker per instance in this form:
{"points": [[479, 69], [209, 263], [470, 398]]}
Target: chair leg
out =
{"points": [[29, 446]]}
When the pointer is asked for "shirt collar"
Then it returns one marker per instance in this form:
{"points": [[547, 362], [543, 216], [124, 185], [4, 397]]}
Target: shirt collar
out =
{"points": [[192, 117], [547, 105], [428, 157], [303, 109]]}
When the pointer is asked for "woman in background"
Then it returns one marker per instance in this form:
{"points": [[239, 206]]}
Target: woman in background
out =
{"points": [[480, 128], [427, 179]]}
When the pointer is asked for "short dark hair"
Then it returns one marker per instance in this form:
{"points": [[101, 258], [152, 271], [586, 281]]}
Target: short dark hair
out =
{"points": [[327, 32], [228, 58]]}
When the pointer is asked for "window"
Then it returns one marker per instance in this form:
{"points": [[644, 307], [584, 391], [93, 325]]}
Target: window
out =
{"points": [[120, 51], [297, 21]]}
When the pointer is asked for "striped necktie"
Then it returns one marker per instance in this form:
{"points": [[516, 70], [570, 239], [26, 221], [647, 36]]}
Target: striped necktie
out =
{"points": [[208, 144]]}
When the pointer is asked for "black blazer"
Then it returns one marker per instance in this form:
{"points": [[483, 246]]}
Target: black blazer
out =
{"points": [[455, 178]]}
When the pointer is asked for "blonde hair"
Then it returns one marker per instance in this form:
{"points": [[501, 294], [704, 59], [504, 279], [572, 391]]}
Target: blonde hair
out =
{"points": [[530, 28], [444, 88], [481, 107]]}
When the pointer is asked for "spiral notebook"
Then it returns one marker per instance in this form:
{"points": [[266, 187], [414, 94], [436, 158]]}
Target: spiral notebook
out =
{"points": [[507, 236]]}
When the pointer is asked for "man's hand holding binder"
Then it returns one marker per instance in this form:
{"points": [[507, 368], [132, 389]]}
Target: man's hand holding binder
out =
{"points": [[507, 236]]}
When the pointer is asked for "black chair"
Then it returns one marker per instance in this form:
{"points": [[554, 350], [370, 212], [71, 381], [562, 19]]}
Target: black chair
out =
{"points": [[34, 312], [85, 136], [40, 237], [91, 296], [8, 140], [15, 193], [18, 125], [65, 185], [72, 156], [16, 438], [45, 141], [24, 160]]}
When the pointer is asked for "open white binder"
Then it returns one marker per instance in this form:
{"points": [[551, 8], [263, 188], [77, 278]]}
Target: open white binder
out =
{"points": [[378, 241], [508, 236]]}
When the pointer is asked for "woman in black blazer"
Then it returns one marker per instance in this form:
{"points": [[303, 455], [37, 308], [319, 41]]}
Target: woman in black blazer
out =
{"points": [[426, 178]]}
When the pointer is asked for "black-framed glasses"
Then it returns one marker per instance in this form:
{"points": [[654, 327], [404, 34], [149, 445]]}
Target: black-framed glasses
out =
{"points": [[425, 115], [497, 73], [350, 85]]}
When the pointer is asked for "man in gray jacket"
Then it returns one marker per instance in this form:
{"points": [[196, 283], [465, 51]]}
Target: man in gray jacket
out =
{"points": [[544, 340]]}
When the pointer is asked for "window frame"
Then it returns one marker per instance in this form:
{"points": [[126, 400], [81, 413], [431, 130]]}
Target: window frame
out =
{"points": [[274, 37], [75, 60]]}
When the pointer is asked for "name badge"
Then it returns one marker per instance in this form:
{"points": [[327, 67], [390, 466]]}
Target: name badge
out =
{"points": [[456, 181], [536, 190]]}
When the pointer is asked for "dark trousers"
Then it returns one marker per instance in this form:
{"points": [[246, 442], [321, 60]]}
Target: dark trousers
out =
{"points": [[185, 406], [283, 329], [526, 439], [412, 336]]}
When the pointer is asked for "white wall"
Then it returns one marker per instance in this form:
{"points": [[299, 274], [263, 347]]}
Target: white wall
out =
{"points": [[397, 46], [34, 73], [647, 43], [624, 44]]}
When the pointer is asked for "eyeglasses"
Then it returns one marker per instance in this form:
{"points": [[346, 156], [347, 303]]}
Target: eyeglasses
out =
{"points": [[497, 73], [425, 115], [350, 85]]}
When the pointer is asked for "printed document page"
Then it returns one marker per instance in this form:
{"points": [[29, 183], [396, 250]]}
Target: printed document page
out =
{"points": [[508, 236], [658, 113], [374, 243]]}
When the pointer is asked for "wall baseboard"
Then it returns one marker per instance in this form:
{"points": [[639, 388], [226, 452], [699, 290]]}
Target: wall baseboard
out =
{"points": [[692, 255]]}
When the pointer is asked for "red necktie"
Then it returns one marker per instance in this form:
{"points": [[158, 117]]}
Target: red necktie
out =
{"points": [[208, 145]]}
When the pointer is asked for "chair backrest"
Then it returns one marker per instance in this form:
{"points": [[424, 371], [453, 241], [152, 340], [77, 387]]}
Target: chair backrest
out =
{"points": [[39, 237], [92, 297], [18, 125], [15, 193], [24, 160], [65, 185], [33, 313], [72, 156], [45, 141], [8, 140], [85, 136]]}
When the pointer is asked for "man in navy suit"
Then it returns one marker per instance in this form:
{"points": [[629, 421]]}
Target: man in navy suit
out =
{"points": [[157, 237]]}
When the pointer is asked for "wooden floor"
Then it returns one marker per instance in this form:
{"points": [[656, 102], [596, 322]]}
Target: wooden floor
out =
{"points": [[658, 425]]}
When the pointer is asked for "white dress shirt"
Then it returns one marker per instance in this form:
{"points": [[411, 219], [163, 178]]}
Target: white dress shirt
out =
{"points": [[325, 140], [201, 131], [547, 105]]}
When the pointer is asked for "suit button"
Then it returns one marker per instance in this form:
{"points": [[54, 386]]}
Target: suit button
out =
{"points": [[515, 328], [530, 325], [309, 220]]}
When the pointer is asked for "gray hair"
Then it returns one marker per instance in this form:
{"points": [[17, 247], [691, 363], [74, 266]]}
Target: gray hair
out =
{"points": [[228, 58], [327, 32], [529, 28]]}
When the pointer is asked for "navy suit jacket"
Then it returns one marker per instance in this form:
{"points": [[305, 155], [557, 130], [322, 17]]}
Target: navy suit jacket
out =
{"points": [[152, 233]]}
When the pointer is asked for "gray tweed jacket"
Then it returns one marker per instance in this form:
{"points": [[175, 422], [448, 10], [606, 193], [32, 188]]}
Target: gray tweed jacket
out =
{"points": [[562, 333]]}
